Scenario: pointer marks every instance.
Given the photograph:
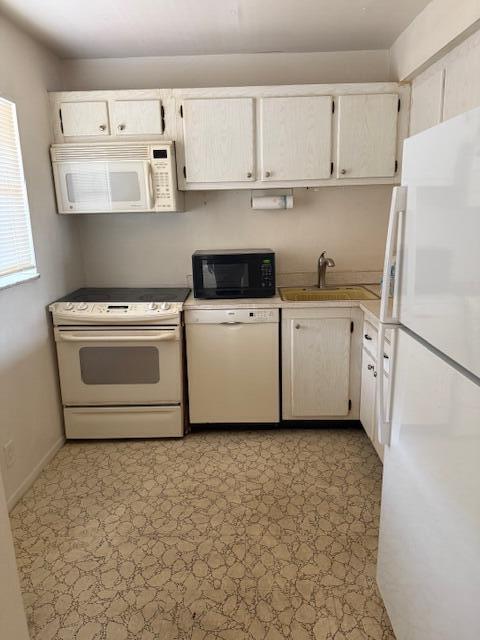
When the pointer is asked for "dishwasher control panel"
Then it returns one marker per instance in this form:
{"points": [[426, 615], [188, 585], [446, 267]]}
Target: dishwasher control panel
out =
{"points": [[245, 315]]}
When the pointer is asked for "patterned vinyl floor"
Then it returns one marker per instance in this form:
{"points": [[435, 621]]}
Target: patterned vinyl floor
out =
{"points": [[262, 535]]}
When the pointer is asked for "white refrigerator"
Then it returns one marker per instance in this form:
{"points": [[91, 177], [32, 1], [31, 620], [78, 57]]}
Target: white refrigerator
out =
{"points": [[429, 414]]}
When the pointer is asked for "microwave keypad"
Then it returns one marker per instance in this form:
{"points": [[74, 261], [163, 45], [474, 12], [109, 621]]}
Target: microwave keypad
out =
{"points": [[162, 186], [266, 274]]}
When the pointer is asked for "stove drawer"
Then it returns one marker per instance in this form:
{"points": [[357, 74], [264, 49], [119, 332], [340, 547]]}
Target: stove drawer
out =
{"points": [[123, 422]]}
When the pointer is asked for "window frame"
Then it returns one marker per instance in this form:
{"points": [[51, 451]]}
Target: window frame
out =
{"points": [[17, 277]]}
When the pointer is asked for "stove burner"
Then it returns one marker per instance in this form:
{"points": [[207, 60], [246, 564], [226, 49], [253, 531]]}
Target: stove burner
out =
{"points": [[127, 294]]}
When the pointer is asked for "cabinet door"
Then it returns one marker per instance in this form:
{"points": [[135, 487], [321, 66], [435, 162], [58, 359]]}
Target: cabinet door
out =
{"points": [[367, 135], [296, 138], [319, 366], [137, 117], [367, 397], [84, 118], [219, 140]]}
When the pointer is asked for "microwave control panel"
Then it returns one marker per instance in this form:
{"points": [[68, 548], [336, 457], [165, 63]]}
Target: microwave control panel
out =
{"points": [[164, 182], [266, 273]]}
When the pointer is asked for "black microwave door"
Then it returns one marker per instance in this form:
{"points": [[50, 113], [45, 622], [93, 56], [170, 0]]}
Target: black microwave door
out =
{"points": [[231, 275]]}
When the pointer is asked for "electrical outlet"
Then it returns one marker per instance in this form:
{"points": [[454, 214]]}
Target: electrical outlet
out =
{"points": [[9, 453]]}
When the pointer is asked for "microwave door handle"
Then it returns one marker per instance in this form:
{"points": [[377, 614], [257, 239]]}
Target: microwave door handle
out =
{"points": [[170, 335], [150, 185]]}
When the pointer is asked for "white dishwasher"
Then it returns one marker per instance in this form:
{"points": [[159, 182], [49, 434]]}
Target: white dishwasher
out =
{"points": [[233, 365]]}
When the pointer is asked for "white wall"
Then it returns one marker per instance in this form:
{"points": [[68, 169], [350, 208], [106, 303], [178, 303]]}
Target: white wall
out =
{"points": [[441, 25], [29, 405], [226, 70], [349, 222]]}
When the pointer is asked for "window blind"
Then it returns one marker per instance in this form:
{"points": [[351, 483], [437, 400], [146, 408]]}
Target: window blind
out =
{"points": [[17, 256]]}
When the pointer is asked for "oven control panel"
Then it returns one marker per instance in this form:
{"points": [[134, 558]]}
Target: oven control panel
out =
{"points": [[117, 312]]}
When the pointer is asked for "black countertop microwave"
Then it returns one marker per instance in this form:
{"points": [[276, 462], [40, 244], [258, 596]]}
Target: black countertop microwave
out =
{"points": [[234, 273]]}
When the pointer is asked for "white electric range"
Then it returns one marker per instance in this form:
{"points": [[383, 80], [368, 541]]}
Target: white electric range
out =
{"points": [[120, 361]]}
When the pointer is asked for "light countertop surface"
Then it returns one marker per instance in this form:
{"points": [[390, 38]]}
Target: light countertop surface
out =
{"points": [[371, 308]]}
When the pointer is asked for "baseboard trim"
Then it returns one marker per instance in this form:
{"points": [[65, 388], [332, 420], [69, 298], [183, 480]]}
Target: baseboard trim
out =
{"points": [[33, 475]]}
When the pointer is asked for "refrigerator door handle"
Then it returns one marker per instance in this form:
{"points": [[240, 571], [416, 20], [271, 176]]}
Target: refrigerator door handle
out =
{"points": [[383, 420], [397, 207]]}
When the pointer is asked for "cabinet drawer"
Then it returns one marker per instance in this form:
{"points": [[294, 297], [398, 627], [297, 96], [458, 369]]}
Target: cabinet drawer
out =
{"points": [[124, 422], [370, 338], [370, 344], [387, 359]]}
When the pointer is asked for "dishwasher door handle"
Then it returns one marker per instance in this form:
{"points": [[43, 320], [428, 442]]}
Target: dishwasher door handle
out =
{"points": [[232, 322]]}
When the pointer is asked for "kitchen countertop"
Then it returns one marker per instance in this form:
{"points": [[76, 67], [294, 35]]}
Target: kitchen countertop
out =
{"points": [[371, 308]]}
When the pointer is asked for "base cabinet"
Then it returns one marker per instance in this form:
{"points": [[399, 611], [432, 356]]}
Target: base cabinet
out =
{"points": [[372, 376], [321, 363], [367, 396]]}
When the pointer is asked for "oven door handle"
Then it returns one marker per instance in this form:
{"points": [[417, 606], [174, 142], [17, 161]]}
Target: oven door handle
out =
{"points": [[163, 337]]}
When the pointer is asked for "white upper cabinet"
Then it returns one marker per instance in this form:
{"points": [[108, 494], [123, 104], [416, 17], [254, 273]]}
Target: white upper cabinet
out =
{"points": [[367, 136], [218, 140], [88, 118], [137, 117], [81, 116], [252, 137], [295, 138]]}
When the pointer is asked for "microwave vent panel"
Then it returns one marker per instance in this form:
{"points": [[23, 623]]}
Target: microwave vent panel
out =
{"points": [[98, 152]]}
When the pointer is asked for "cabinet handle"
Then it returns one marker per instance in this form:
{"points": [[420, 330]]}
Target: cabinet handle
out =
{"points": [[343, 171], [374, 374], [268, 174], [367, 337], [385, 356], [249, 174], [297, 326], [122, 127], [102, 127], [370, 367]]}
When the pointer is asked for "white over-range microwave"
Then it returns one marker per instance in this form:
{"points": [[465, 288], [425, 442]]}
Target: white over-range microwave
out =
{"points": [[115, 177]]}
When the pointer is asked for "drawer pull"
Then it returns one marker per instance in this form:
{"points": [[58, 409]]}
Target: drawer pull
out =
{"points": [[367, 337], [386, 356], [370, 367]]}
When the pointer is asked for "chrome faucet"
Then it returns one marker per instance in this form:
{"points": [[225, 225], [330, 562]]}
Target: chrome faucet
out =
{"points": [[323, 263]]}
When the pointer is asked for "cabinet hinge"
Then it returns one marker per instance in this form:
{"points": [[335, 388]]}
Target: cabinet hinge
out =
{"points": [[185, 172], [333, 106], [331, 168], [399, 104], [162, 115], [396, 166], [349, 405], [351, 326], [61, 120], [181, 111]]}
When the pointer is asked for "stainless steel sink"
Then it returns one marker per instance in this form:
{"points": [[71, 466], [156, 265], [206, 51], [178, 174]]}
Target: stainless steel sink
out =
{"points": [[313, 294]]}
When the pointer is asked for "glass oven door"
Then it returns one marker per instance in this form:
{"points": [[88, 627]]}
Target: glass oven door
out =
{"points": [[87, 187], [115, 366]]}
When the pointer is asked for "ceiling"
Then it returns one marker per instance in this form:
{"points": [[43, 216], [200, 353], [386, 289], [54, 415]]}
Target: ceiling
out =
{"points": [[124, 28]]}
